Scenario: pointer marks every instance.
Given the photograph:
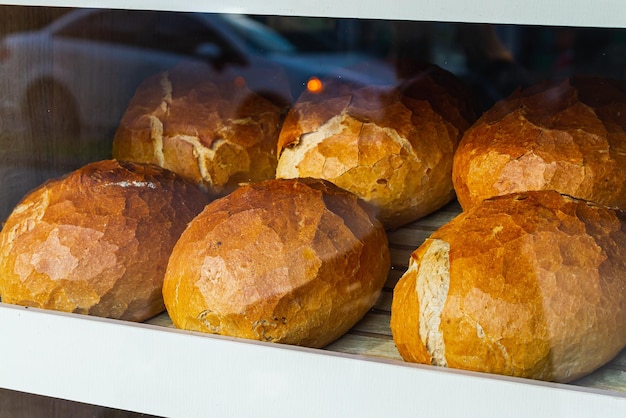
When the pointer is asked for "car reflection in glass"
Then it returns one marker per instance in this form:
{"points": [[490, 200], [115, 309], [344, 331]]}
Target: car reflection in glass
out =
{"points": [[74, 77]]}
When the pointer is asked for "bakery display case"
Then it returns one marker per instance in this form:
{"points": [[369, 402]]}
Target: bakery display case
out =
{"points": [[84, 82]]}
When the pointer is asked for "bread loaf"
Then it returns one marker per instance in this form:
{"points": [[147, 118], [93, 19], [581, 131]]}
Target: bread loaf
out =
{"points": [[97, 241], [286, 261], [568, 136], [391, 146], [215, 132], [530, 284]]}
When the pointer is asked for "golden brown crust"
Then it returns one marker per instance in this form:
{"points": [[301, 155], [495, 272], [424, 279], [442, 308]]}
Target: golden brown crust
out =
{"points": [[390, 146], [217, 133], [534, 287], [288, 261], [568, 136], [97, 241]]}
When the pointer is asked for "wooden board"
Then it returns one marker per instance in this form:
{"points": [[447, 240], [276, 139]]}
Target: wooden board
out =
{"points": [[372, 335]]}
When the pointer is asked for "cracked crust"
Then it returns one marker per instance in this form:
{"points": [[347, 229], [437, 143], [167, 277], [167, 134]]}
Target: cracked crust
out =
{"points": [[96, 241], [392, 147], [214, 132], [287, 261], [568, 136], [536, 288]]}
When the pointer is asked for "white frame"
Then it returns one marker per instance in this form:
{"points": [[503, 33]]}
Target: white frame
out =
{"points": [[168, 372], [598, 13], [173, 373]]}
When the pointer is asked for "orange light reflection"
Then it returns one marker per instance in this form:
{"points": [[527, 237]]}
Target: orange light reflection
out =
{"points": [[314, 85]]}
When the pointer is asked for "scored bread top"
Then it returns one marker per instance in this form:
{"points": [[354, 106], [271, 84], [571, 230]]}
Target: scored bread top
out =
{"points": [[388, 145], [216, 132]]}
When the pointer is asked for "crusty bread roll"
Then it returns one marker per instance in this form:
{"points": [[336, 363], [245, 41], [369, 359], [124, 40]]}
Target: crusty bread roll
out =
{"points": [[215, 132], [530, 284], [568, 136], [286, 261], [391, 146], [97, 241]]}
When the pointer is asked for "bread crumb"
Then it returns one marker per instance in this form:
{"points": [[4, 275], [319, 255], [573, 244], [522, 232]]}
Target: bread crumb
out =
{"points": [[431, 285]]}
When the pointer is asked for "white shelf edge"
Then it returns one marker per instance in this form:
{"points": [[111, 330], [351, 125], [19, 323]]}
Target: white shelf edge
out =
{"points": [[173, 373], [600, 13]]}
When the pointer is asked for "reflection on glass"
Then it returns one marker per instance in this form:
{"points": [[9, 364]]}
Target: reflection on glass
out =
{"points": [[68, 74]]}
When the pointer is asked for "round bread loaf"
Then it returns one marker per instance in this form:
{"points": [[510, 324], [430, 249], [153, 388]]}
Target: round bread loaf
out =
{"points": [[530, 284], [215, 132], [568, 136], [392, 147], [286, 261], [97, 241]]}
